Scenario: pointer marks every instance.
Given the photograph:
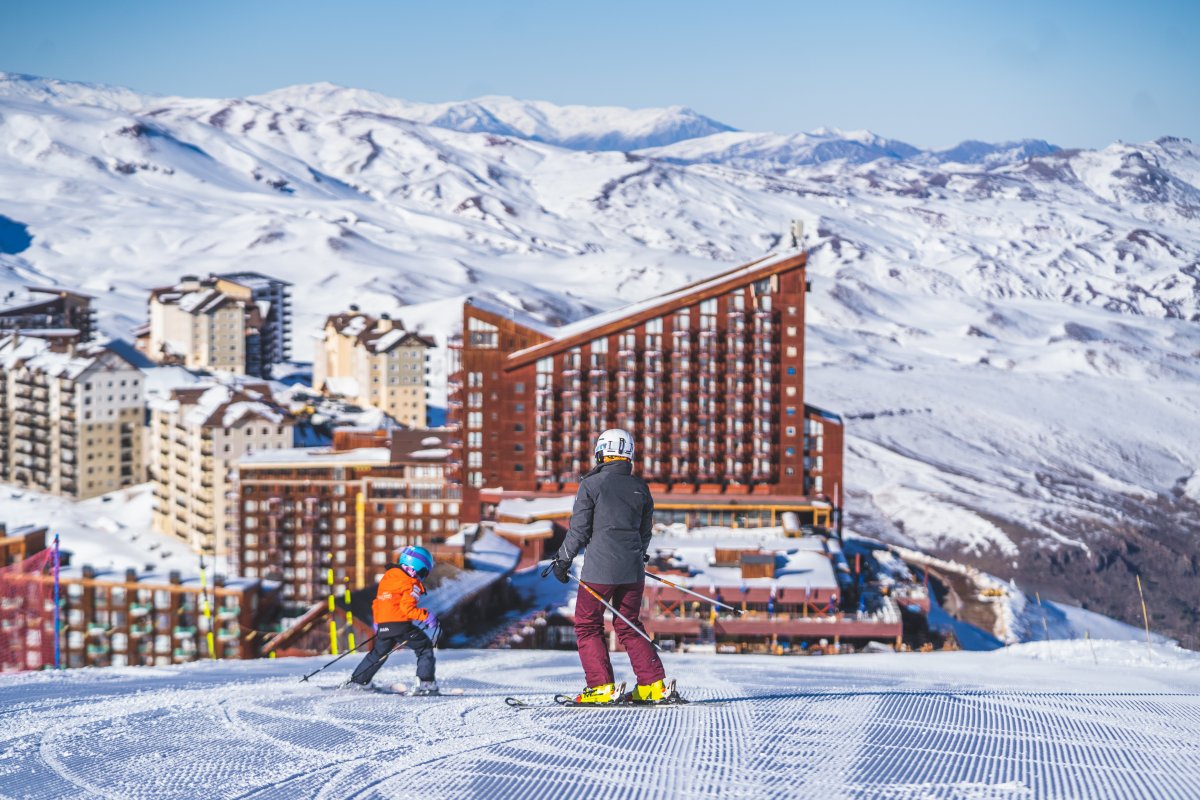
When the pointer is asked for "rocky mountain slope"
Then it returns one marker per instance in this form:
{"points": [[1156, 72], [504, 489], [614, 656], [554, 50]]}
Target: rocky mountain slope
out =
{"points": [[1010, 330]]}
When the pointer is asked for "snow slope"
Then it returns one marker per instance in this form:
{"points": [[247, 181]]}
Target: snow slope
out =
{"points": [[1009, 330], [1009, 724]]}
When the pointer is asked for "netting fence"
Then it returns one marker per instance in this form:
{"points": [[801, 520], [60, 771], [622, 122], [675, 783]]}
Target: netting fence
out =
{"points": [[27, 613]]}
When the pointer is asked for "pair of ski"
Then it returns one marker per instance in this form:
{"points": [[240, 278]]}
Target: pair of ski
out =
{"points": [[672, 700], [400, 690]]}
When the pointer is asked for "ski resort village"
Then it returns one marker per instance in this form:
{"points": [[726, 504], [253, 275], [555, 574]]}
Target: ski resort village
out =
{"points": [[353, 447]]}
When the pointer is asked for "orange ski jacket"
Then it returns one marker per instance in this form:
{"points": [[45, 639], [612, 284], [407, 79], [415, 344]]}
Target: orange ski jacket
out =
{"points": [[396, 598]]}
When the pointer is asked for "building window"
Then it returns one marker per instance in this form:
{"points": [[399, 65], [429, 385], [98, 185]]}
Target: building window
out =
{"points": [[518, 388]]}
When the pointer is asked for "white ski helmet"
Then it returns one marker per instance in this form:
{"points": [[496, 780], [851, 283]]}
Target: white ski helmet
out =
{"points": [[614, 442]]}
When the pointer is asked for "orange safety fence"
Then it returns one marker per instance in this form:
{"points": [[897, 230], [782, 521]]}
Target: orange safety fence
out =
{"points": [[27, 614]]}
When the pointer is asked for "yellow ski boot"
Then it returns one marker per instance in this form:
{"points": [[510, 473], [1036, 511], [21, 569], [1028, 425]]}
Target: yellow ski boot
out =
{"points": [[657, 693], [604, 693]]}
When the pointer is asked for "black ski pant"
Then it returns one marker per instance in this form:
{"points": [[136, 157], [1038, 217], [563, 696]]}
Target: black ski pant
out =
{"points": [[391, 635]]}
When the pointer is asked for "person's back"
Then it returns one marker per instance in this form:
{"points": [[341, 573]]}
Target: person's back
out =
{"points": [[613, 518], [397, 596]]}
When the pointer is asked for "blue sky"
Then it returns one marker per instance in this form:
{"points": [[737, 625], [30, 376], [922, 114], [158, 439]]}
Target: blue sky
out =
{"points": [[930, 73]]}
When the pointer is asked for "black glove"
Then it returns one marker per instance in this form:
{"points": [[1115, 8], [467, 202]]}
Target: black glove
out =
{"points": [[561, 570], [645, 558]]}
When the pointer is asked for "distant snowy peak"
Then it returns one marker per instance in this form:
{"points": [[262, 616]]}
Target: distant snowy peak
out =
{"points": [[17, 86], [771, 151], [575, 127], [992, 155]]}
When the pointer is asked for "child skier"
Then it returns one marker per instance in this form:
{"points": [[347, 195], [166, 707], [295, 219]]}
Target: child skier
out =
{"points": [[399, 621], [612, 517]]}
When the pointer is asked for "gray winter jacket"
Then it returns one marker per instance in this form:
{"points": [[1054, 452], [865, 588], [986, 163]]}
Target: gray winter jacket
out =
{"points": [[612, 518]]}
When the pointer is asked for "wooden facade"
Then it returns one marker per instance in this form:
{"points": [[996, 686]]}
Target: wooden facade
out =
{"points": [[709, 379], [128, 618], [349, 509]]}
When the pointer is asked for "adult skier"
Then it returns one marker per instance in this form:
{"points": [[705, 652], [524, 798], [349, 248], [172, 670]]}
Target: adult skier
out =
{"points": [[399, 620], [612, 517]]}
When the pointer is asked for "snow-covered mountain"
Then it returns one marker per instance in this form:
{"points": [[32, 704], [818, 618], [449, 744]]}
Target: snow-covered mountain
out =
{"points": [[575, 127], [771, 151], [1010, 330]]}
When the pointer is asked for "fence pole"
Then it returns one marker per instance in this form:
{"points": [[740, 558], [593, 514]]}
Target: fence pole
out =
{"points": [[1145, 616], [212, 648], [57, 616], [333, 646], [349, 618]]}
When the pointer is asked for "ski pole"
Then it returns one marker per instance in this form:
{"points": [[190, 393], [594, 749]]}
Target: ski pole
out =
{"points": [[607, 605], [661, 579], [339, 658]]}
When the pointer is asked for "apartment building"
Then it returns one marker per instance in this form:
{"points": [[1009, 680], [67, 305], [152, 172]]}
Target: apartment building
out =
{"points": [[71, 417], [197, 434], [274, 300], [708, 378], [238, 323], [348, 507], [375, 362], [36, 308]]}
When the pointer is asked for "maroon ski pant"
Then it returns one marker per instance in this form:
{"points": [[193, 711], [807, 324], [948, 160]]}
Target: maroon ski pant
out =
{"points": [[589, 633]]}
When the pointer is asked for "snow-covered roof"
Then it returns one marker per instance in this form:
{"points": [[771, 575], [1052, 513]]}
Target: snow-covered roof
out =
{"points": [[223, 406], [344, 386], [36, 354], [540, 529], [161, 381], [317, 457], [582, 326], [387, 341], [488, 560], [529, 510], [202, 301], [251, 280], [431, 454], [801, 563]]}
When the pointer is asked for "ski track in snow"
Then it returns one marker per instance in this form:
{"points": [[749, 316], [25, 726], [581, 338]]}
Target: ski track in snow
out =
{"points": [[1010, 724]]}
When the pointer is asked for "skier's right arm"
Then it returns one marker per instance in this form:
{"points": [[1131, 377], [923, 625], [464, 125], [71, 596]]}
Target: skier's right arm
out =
{"points": [[580, 532]]}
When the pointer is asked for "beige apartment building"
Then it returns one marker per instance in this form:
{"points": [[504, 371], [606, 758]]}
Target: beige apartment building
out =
{"points": [[375, 362], [196, 436], [71, 416]]}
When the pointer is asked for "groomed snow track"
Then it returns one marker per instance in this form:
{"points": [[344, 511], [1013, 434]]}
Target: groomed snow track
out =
{"points": [[963, 725]]}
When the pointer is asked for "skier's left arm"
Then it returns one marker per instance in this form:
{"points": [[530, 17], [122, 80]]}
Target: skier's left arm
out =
{"points": [[580, 532]]}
